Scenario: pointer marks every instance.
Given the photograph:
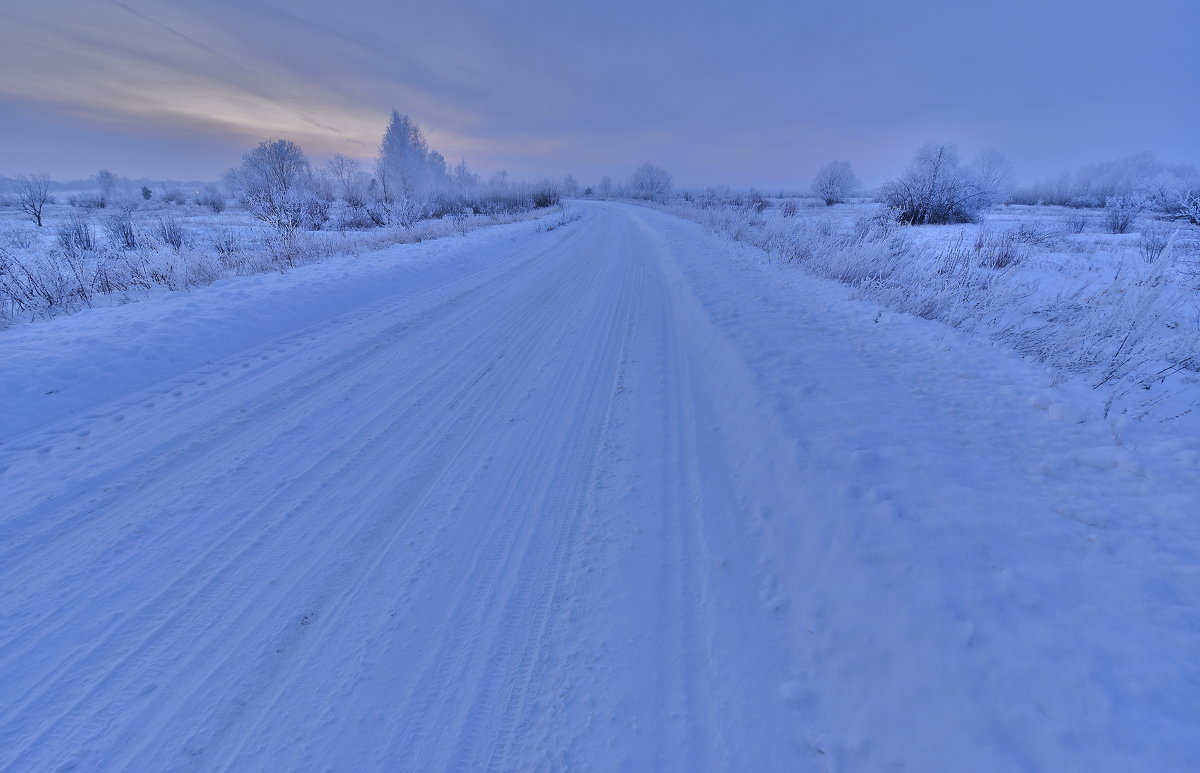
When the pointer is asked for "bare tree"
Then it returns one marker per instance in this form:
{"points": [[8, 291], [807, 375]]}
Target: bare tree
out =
{"points": [[33, 194], [650, 182], [835, 183], [605, 188]]}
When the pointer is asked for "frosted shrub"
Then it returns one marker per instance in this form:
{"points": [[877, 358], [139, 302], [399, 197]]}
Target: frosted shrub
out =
{"points": [[1033, 234], [547, 196], [33, 290], [80, 268], [118, 228], [755, 201], [170, 232], [230, 249], [406, 212], [999, 250], [312, 209], [650, 182], [200, 270], [1153, 242], [76, 235], [344, 216], [1120, 212], [210, 197], [1076, 222], [87, 201], [461, 221], [17, 237], [835, 183], [934, 190]]}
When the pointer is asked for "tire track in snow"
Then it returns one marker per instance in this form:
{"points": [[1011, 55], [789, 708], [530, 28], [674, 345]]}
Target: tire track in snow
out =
{"points": [[396, 541]]}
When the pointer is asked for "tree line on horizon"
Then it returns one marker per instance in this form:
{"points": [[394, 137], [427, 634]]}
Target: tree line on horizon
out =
{"points": [[410, 181]]}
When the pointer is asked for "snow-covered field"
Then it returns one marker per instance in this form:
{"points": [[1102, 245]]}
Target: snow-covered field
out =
{"points": [[132, 250], [620, 495]]}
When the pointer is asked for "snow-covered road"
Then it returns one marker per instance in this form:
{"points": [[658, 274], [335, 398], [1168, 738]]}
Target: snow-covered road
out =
{"points": [[613, 497]]}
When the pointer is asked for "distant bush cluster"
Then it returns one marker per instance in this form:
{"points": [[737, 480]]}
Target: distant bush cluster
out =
{"points": [[1143, 176], [278, 185], [936, 189]]}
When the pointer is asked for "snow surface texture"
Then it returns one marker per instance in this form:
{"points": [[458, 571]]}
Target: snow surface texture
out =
{"points": [[81, 262], [617, 496], [1118, 312]]}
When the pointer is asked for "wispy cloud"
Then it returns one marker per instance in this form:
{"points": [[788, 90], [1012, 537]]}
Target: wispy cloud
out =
{"points": [[703, 87]]}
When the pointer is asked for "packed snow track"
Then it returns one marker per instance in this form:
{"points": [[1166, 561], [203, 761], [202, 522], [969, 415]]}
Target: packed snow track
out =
{"points": [[559, 508]]}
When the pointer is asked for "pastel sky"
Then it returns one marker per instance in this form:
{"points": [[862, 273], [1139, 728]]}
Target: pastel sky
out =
{"points": [[758, 93]]}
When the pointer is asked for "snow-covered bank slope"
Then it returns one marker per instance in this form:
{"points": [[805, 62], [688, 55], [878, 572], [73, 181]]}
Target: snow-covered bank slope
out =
{"points": [[65, 364], [1119, 313], [977, 577], [613, 497]]}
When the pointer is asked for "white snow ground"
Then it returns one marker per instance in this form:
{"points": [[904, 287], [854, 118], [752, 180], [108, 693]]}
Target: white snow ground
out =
{"points": [[618, 496]]}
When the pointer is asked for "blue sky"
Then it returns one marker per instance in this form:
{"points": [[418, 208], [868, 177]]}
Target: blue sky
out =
{"points": [[740, 93]]}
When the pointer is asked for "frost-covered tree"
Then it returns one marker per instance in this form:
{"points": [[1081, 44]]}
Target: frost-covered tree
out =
{"points": [[1174, 193], [106, 182], [835, 183], [438, 177], [649, 182], [935, 189], [212, 197], [605, 188], [33, 194], [1188, 206], [275, 183], [344, 171], [499, 181], [403, 166], [462, 180], [1141, 174], [992, 173], [570, 186]]}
